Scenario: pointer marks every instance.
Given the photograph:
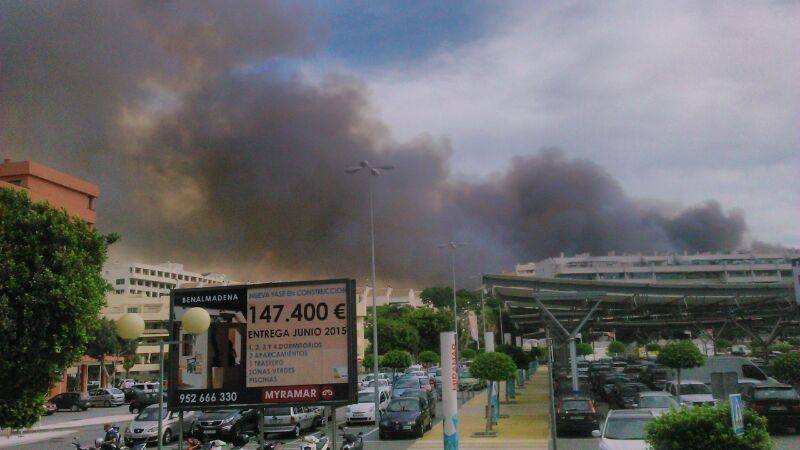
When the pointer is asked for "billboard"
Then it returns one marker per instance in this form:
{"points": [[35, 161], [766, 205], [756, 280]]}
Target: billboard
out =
{"points": [[288, 343]]}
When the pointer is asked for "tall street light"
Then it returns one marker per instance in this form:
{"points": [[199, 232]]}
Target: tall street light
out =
{"points": [[452, 246], [372, 171]]}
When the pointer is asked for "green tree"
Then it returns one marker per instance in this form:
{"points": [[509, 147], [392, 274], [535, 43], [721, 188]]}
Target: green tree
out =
{"points": [[367, 362], [395, 334], [583, 349], [680, 355], [616, 348], [493, 366], [468, 354], [782, 347], [396, 359], [652, 347], [429, 322], [442, 297], [103, 341], [786, 368], [708, 428], [51, 291], [722, 344], [128, 363], [517, 354], [428, 357]]}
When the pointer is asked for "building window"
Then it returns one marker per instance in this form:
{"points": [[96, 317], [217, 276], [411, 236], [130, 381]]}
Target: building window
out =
{"points": [[120, 280], [91, 203], [133, 309], [118, 292]]}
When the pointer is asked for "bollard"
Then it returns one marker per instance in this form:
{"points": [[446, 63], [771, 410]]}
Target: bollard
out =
{"points": [[511, 392], [520, 377]]}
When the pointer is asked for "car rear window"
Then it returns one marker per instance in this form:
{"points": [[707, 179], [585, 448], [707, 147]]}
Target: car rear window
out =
{"points": [[627, 428], [575, 405], [776, 393], [277, 411]]}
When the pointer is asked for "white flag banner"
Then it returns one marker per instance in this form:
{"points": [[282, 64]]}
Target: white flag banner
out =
{"points": [[472, 320]]}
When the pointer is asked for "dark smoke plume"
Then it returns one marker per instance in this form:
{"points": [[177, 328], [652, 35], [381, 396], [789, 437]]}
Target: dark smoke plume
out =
{"points": [[207, 156]]}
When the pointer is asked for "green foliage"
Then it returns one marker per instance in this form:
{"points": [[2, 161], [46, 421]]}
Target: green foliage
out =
{"points": [[536, 353], [795, 341], [707, 428], [367, 362], [428, 357], [517, 354], [680, 355], [722, 344], [395, 334], [493, 366], [51, 291], [396, 359], [468, 354], [652, 347], [429, 322], [786, 368], [616, 348], [583, 349], [781, 347], [442, 297]]}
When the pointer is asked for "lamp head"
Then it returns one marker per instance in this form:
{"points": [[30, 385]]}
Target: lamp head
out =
{"points": [[196, 321], [130, 326]]}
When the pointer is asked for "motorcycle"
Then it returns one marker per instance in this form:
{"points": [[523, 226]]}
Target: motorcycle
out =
{"points": [[101, 444], [352, 441], [316, 441]]}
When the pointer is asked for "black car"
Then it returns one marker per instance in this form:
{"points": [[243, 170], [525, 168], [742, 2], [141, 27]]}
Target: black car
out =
{"points": [[634, 371], [73, 401], [607, 384], [142, 400], [779, 403], [654, 376], [226, 424], [404, 415], [624, 394], [131, 393], [426, 396], [576, 414]]}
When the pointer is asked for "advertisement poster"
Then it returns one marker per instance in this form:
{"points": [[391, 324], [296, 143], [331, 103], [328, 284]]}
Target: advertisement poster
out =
{"points": [[277, 343]]}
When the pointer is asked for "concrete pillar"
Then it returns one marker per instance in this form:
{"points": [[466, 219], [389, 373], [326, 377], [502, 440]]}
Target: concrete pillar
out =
{"points": [[84, 377], [447, 341], [103, 376], [573, 359]]}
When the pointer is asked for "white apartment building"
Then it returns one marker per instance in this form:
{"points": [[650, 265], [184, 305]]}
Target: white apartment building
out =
{"points": [[364, 300], [156, 280], [155, 312], [735, 267]]}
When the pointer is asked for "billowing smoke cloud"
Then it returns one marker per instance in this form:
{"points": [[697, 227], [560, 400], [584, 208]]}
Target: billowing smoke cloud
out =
{"points": [[209, 155]]}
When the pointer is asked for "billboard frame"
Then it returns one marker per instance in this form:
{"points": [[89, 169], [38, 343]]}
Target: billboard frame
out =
{"points": [[352, 349]]}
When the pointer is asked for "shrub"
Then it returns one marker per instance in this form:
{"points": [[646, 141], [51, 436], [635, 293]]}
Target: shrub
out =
{"points": [[680, 355], [707, 428], [468, 353], [781, 347], [493, 366], [396, 359], [616, 348], [583, 349], [786, 368], [520, 357], [652, 347], [428, 357]]}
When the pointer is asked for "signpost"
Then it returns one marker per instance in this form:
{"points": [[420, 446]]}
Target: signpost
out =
{"points": [[277, 343], [449, 389], [737, 413]]}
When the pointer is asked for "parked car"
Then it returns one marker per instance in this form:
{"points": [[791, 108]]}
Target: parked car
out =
{"points": [[73, 401], [619, 366], [623, 394], [289, 419], [404, 415], [142, 400], [49, 408], [658, 402], [624, 429], [406, 383], [369, 377], [436, 375], [654, 376], [427, 396], [607, 384], [466, 382], [414, 368], [364, 410], [779, 403], [226, 424], [383, 386], [744, 368], [106, 397], [426, 383], [634, 371], [144, 428], [576, 414], [693, 393], [146, 387]]}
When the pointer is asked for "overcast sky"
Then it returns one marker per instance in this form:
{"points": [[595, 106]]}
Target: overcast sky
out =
{"points": [[680, 101]]}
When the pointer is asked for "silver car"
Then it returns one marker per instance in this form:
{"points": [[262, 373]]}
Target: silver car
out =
{"points": [[106, 397], [144, 428], [289, 419]]}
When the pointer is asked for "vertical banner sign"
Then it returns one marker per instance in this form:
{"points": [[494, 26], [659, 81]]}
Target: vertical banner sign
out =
{"points": [[449, 389], [506, 338], [277, 343], [796, 279], [737, 413]]}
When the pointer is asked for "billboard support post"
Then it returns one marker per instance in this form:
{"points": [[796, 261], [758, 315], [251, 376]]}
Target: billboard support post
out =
{"points": [[449, 389]]}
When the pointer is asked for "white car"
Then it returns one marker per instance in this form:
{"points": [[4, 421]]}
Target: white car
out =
{"points": [[624, 429], [364, 410], [414, 368], [383, 386], [658, 402], [144, 428], [369, 377], [693, 393]]}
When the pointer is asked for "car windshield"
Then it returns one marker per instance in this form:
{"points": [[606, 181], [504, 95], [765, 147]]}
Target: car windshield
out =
{"points": [[403, 405], [115, 391], [407, 383], [219, 414], [465, 374], [151, 415], [627, 428], [575, 405], [776, 393], [689, 389], [366, 397], [277, 411], [657, 402]]}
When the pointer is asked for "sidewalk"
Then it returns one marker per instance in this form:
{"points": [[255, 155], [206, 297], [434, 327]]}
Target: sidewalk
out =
{"points": [[526, 427], [72, 424]]}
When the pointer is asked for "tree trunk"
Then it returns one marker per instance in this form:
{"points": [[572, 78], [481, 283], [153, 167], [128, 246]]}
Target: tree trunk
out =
{"points": [[678, 386], [103, 372]]}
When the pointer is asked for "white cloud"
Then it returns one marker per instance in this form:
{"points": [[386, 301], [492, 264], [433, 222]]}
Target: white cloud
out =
{"points": [[681, 102]]}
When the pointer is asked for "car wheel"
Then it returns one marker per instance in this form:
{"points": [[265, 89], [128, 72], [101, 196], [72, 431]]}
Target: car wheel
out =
{"points": [[297, 431], [167, 436], [107, 404], [74, 408], [421, 431], [134, 409]]}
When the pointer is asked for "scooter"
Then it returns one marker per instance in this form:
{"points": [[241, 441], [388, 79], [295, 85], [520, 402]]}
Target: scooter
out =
{"points": [[316, 441], [352, 441]]}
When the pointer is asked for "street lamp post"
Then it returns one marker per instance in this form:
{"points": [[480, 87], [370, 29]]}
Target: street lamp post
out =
{"points": [[131, 326], [372, 172], [452, 246]]}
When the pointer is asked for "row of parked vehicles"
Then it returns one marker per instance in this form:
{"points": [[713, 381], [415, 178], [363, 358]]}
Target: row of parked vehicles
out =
{"points": [[639, 391]]}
